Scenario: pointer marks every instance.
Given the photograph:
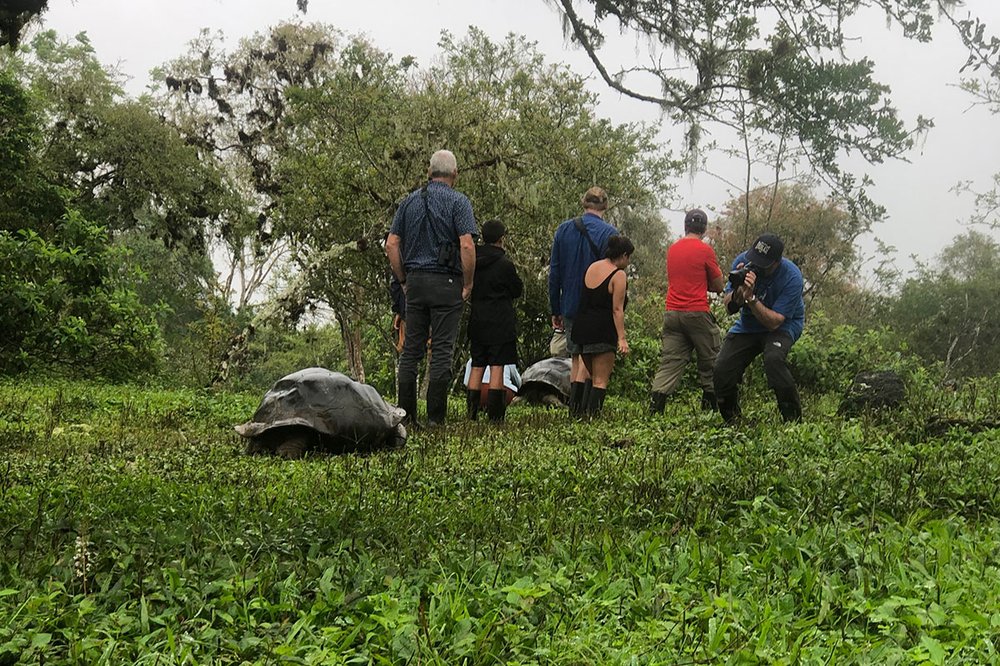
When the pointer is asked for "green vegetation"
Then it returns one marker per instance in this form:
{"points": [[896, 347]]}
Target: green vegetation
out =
{"points": [[136, 531], [225, 230]]}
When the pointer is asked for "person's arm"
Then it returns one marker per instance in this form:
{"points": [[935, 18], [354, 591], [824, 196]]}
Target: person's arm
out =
{"points": [[733, 300], [468, 251], [514, 282], [555, 275], [392, 250], [768, 318], [716, 281], [618, 286]]}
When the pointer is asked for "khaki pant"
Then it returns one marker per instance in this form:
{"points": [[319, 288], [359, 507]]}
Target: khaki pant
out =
{"points": [[682, 333]]}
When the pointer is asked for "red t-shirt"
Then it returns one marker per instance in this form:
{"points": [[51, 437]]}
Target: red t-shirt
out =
{"points": [[691, 263]]}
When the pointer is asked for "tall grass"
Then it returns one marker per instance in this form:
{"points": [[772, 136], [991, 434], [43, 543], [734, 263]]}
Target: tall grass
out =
{"points": [[134, 530]]}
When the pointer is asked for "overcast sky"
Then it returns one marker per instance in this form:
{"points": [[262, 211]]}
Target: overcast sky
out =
{"points": [[924, 215]]}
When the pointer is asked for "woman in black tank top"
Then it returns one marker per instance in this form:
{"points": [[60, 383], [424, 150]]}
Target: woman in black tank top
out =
{"points": [[599, 326]]}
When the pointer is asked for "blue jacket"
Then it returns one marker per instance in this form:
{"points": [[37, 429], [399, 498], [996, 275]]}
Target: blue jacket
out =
{"points": [[571, 257]]}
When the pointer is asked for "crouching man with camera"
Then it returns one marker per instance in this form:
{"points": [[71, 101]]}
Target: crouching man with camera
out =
{"points": [[767, 291]]}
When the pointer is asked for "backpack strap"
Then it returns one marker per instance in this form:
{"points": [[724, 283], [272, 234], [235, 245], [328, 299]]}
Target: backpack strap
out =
{"points": [[582, 228]]}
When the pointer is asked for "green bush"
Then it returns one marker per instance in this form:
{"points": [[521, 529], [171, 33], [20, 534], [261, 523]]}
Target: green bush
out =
{"points": [[63, 304], [828, 355], [276, 352]]}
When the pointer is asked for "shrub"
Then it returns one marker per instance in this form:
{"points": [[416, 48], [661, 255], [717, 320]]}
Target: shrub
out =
{"points": [[62, 303], [828, 355]]}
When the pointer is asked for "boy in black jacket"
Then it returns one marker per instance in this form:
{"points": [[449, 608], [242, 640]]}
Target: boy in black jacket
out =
{"points": [[492, 322]]}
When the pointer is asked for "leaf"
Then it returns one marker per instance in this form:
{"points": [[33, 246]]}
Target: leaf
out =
{"points": [[935, 650]]}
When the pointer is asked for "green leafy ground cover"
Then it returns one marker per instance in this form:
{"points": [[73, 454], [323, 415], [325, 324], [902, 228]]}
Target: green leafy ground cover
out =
{"points": [[134, 530]]}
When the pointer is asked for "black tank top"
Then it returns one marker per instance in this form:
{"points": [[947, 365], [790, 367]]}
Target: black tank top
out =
{"points": [[594, 322]]}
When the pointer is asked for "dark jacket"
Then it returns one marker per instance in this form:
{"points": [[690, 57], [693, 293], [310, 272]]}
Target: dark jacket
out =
{"points": [[496, 285]]}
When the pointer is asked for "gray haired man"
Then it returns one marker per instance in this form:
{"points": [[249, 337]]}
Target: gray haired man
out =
{"points": [[432, 254]]}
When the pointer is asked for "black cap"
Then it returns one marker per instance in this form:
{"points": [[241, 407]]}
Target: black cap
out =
{"points": [[765, 250], [696, 221], [493, 231]]}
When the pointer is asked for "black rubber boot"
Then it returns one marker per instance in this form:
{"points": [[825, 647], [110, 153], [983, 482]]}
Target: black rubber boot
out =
{"points": [[575, 398], [496, 405], [729, 407], [408, 402], [595, 401], [657, 402], [588, 387], [472, 403], [437, 402], [708, 401], [789, 404]]}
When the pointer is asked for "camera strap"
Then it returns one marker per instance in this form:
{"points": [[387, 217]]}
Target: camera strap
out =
{"points": [[582, 228]]}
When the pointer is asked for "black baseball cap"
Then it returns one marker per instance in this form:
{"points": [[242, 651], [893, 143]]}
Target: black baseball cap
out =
{"points": [[696, 220], [766, 250]]}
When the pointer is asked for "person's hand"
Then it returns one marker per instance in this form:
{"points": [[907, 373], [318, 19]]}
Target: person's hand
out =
{"points": [[466, 292], [746, 289], [557, 322], [622, 346]]}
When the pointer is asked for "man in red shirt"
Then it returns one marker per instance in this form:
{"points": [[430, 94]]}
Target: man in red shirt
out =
{"points": [[692, 271]]}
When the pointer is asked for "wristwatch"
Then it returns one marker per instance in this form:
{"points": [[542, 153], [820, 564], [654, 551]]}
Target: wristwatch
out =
{"points": [[752, 299]]}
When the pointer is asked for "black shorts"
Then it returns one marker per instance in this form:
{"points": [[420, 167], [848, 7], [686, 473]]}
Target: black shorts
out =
{"points": [[501, 354]]}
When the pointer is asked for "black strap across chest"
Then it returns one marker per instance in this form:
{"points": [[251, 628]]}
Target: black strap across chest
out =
{"points": [[582, 228]]}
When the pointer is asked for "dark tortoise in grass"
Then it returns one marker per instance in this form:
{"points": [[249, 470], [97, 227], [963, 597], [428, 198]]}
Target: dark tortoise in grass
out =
{"points": [[319, 410], [546, 383]]}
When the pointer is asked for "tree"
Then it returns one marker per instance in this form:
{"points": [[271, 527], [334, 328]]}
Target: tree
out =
{"points": [[776, 67], [25, 198], [14, 15], [528, 142], [985, 92], [818, 235], [948, 312], [63, 298], [124, 165], [233, 106]]}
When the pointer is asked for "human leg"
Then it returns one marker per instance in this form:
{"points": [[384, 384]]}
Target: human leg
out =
{"points": [[601, 366], [414, 346], [738, 350], [472, 392], [779, 375], [496, 403], [578, 374], [706, 338], [674, 355], [445, 313]]}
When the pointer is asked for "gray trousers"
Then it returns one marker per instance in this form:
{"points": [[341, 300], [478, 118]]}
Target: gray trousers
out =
{"points": [[684, 332], [433, 310]]}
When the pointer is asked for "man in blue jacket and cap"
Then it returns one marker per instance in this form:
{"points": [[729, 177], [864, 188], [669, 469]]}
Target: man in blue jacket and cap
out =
{"points": [[766, 289]]}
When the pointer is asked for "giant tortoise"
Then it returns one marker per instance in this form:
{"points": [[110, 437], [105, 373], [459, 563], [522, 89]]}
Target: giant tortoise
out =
{"points": [[322, 410], [546, 383]]}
